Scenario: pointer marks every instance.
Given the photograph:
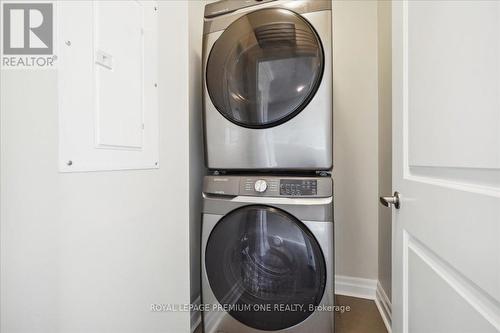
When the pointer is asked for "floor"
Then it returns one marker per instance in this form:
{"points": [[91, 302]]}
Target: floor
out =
{"points": [[363, 316]]}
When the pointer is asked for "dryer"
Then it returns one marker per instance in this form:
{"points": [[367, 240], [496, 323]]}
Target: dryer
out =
{"points": [[267, 254], [268, 85]]}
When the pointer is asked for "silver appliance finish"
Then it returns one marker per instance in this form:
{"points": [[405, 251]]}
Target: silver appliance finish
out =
{"points": [[222, 195], [305, 141]]}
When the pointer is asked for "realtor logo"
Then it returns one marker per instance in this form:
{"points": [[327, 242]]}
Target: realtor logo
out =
{"points": [[27, 30]]}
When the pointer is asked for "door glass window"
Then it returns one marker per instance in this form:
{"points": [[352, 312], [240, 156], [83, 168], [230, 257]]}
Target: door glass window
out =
{"points": [[264, 68], [265, 267]]}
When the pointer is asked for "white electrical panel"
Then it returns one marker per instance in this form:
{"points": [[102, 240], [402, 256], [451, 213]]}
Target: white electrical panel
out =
{"points": [[108, 87]]}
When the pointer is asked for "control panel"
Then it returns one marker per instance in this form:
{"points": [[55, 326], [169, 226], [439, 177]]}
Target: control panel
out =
{"points": [[258, 185], [279, 187], [298, 187], [269, 186]]}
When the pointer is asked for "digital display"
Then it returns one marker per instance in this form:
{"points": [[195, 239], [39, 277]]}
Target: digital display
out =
{"points": [[292, 187]]}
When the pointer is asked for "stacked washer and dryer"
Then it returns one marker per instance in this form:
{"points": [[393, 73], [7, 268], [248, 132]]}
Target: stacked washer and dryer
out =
{"points": [[267, 235]]}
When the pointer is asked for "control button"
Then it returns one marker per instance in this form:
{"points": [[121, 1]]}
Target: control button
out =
{"points": [[260, 185]]}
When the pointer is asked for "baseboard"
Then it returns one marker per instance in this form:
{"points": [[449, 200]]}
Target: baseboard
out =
{"points": [[355, 287], [195, 315], [384, 306], [367, 289]]}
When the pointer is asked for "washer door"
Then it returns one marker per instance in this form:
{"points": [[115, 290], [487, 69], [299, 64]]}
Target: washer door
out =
{"points": [[265, 68], [265, 267]]}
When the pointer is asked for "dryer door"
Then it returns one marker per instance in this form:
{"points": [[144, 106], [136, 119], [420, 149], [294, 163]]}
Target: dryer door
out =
{"points": [[264, 68], [265, 267]]}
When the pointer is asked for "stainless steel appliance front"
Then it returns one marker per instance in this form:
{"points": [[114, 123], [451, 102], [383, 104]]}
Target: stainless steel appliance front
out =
{"points": [[268, 86], [267, 261]]}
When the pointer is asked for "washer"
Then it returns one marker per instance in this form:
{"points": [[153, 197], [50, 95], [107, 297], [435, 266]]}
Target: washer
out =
{"points": [[267, 254], [268, 85]]}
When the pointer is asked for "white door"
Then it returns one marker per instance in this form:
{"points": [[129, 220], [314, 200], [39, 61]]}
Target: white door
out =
{"points": [[446, 145]]}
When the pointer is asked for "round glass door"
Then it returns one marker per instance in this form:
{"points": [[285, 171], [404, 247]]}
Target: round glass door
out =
{"points": [[264, 68], [265, 267]]}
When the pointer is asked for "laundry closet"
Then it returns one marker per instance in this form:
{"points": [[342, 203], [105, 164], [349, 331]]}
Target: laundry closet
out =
{"points": [[270, 79]]}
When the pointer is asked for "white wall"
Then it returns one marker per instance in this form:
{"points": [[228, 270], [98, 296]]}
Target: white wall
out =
{"points": [[89, 252], [355, 96], [196, 155], [385, 143]]}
